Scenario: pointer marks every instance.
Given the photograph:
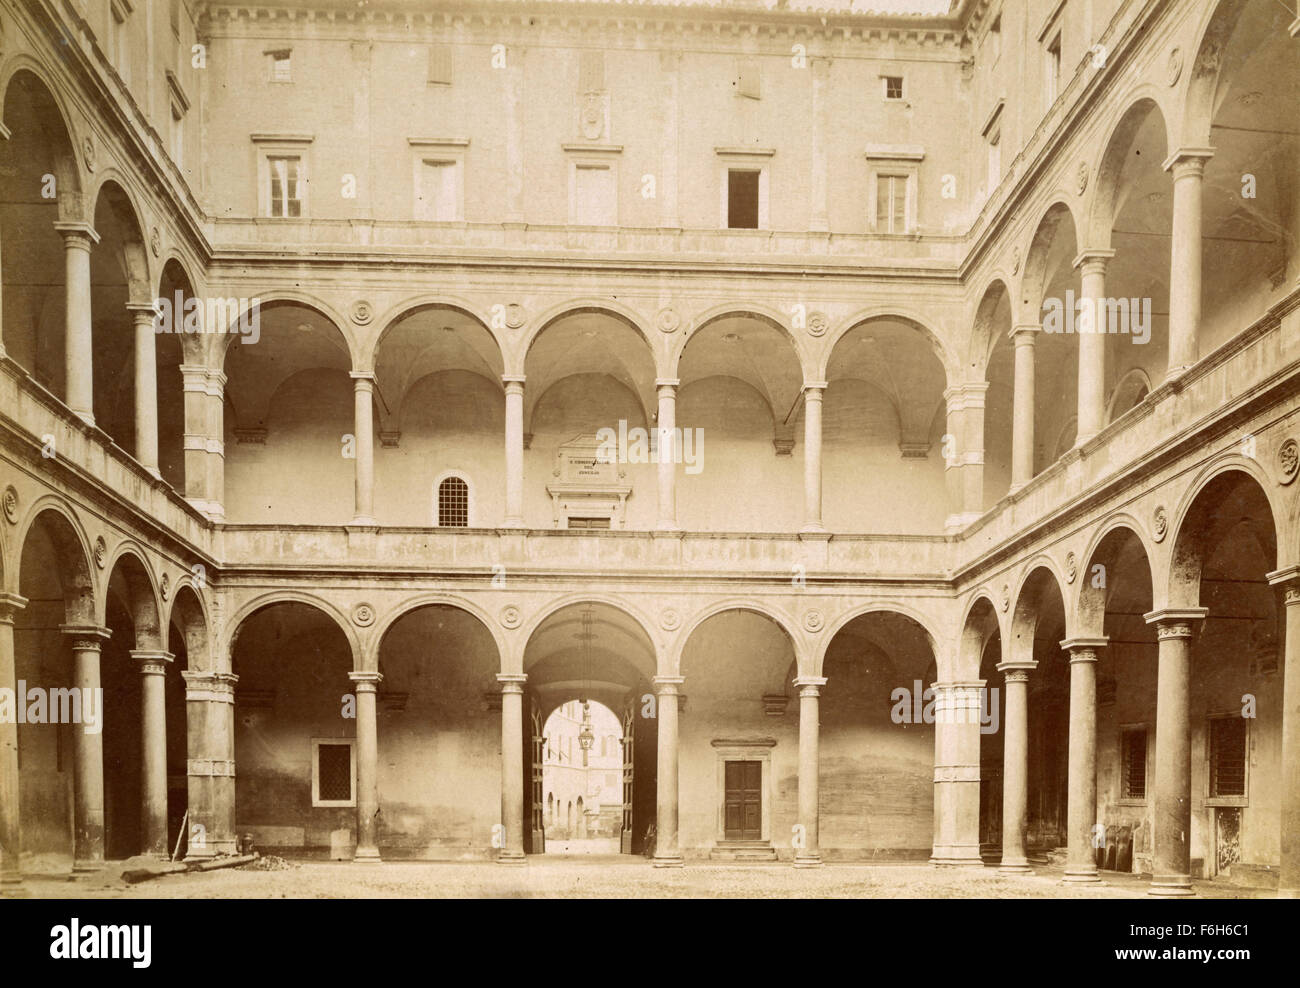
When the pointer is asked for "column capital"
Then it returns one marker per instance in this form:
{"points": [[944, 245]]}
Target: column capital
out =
{"points": [[811, 388], [1189, 159], [512, 682], [362, 380], [366, 681], [1025, 333], [77, 234], [153, 661], [10, 604], [1176, 622], [1288, 578], [86, 636], [141, 311], [1017, 672], [1084, 649], [214, 687], [667, 685], [969, 395], [671, 383], [810, 685], [517, 380], [1092, 257]]}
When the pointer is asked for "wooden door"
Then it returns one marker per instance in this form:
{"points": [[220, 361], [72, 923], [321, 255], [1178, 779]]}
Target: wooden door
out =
{"points": [[744, 800]]}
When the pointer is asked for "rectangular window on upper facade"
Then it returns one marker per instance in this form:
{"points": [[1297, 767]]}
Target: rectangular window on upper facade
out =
{"points": [[749, 79], [285, 192], [600, 523], [891, 203], [1227, 751], [438, 198], [742, 198], [893, 87], [1053, 81], [595, 202], [440, 65], [281, 65]]}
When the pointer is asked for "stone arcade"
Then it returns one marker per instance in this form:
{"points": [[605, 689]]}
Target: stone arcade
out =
{"points": [[389, 503]]}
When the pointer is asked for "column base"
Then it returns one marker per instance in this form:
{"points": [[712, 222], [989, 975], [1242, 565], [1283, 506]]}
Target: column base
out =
{"points": [[366, 855], [363, 521], [1081, 877], [511, 858], [1015, 866], [1171, 887], [813, 860], [667, 861], [87, 867]]}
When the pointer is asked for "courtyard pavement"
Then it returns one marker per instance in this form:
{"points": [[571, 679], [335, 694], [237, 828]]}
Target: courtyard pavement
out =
{"points": [[589, 876]]}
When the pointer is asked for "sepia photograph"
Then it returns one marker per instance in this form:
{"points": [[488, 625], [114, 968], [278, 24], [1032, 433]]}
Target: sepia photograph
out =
{"points": [[610, 450]]}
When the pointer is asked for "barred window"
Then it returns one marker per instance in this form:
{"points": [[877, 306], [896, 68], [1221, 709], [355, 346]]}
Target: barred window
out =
{"points": [[453, 503], [1227, 756], [333, 774], [893, 87], [1133, 763]]}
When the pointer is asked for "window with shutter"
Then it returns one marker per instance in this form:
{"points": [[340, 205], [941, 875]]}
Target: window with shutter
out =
{"points": [[1227, 756]]}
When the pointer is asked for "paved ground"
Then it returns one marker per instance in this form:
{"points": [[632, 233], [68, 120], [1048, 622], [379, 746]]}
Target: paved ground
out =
{"points": [[553, 876]]}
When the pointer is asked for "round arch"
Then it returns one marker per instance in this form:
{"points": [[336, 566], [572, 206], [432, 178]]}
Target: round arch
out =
{"points": [[1025, 610], [983, 340], [69, 162], [78, 548], [249, 608], [413, 604], [779, 618], [892, 607], [397, 312], [305, 300], [525, 633], [897, 314], [584, 306], [1089, 605], [1103, 204], [143, 593], [749, 310], [1033, 274], [194, 622]]}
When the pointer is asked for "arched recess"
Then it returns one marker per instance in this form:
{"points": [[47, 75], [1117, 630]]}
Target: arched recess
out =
{"points": [[1132, 214], [884, 416], [171, 351], [1038, 626], [42, 188], [992, 357], [440, 407], [588, 368], [599, 652], [981, 647], [54, 575], [590, 777], [1049, 284], [296, 788], [438, 734], [876, 764], [1129, 392], [119, 274], [738, 665], [741, 378], [1116, 592], [290, 403], [1243, 87]]}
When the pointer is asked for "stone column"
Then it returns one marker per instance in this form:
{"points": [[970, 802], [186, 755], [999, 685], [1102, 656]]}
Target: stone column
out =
{"points": [[366, 685], [1288, 885], [364, 432], [1081, 801], [153, 748], [667, 453], [964, 460], [667, 853], [210, 723], [512, 767], [1171, 868], [85, 642], [10, 830], [79, 379], [812, 456], [146, 387], [810, 855], [1015, 765], [1022, 428], [194, 382], [1092, 343], [957, 774], [1188, 168], [215, 389], [514, 451]]}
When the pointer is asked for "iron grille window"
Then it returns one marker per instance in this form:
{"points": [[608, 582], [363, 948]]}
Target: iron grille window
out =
{"points": [[893, 87], [1133, 769], [334, 772], [453, 503], [589, 523], [1228, 756]]}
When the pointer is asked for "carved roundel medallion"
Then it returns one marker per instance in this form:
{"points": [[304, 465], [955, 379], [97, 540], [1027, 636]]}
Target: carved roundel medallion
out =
{"points": [[11, 504], [155, 242], [362, 312], [1071, 567], [101, 551], [1081, 178], [1174, 66], [1159, 524], [510, 616], [818, 323], [669, 619], [363, 615], [166, 586], [88, 152], [668, 320], [1288, 461], [814, 621], [1015, 261], [515, 315]]}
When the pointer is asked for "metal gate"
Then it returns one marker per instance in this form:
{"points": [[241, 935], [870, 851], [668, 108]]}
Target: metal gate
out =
{"points": [[629, 722]]}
